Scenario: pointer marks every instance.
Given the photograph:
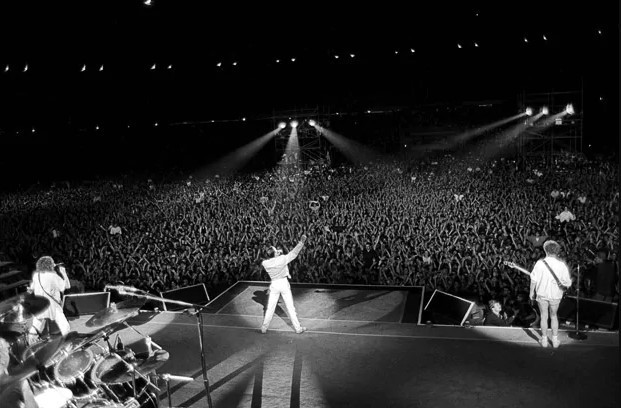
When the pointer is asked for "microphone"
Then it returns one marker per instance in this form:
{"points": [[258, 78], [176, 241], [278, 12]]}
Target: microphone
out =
{"points": [[168, 377], [124, 290]]}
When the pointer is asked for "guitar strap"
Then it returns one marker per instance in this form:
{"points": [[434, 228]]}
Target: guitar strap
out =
{"points": [[558, 282]]}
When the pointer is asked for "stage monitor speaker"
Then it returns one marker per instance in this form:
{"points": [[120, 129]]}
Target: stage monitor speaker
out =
{"points": [[195, 294], [85, 303], [591, 312], [444, 308]]}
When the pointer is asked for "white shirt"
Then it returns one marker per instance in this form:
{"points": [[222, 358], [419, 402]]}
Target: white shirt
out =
{"points": [[546, 284], [277, 267]]}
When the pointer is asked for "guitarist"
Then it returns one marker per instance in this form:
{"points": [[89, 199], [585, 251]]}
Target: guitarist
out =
{"points": [[549, 280]]}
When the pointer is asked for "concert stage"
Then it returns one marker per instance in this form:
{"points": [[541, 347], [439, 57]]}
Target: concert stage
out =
{"points": [[364, 348]]}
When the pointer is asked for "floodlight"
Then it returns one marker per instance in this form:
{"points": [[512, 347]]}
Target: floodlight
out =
{"points": [[544, 110], [282, 125], [312, 122], [294, 124], [529, 111], [569, 109]]}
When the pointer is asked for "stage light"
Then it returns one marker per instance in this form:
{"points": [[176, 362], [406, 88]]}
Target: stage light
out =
{"points": [[219, 64], [101, 68], [459, 45], [153, 66], [545, 38], [235, 63], [476, 45], [312, 122], [25, 68], [569, 109], [282, 125], [412, 50], [277, 61], [292, 59], [336, 57], [545, 110], [294, 124], [83, 68], [352, 55], [529, 111], [6, 69]]}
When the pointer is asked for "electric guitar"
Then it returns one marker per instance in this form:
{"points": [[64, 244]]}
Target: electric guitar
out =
{"points": [[517, 267]]}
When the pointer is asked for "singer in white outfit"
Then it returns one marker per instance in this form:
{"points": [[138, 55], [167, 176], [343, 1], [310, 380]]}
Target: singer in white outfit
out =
{"points": [[277, 269], [47, 283]]}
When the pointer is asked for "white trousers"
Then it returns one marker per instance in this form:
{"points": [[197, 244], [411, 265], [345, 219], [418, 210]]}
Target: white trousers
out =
{"points": [[280, 287], [54, 314]]}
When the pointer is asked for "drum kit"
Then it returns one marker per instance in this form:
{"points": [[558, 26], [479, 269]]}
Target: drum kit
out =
{"points": [[81, 370]]}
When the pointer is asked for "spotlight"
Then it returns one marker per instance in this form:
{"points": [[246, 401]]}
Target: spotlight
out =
{"points": [[282, 125], [544, 110], [529, 111], [569, 109], [312, 122], [294, 124]]}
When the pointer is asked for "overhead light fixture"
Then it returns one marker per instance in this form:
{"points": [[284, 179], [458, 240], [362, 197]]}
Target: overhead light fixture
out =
{"points": [[294, 124], [569, 109], [282, 125], [545, 110], [312, 122], [529, 111]]}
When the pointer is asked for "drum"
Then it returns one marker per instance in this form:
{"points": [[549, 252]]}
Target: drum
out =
{"points": [[50, 396], [72, 371], [73, 366]]}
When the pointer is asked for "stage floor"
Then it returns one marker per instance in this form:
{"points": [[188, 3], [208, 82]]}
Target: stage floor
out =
{"points": [[363, 348]]}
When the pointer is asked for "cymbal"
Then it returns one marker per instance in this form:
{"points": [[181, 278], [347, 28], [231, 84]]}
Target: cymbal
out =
{"points": [[131, 303], [19, 310], [37, 358], [111, 315], [115, 369], [154, 362]]}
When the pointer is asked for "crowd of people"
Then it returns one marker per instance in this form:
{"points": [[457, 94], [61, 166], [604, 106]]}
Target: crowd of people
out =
{"points": [[447, 222]]}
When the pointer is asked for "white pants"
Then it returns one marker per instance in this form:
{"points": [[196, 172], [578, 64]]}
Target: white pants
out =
{"points": [[54, 314], [281, 287]]}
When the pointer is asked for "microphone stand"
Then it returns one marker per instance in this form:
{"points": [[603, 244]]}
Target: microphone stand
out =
{"points": [[577, 335], [199, 322]]}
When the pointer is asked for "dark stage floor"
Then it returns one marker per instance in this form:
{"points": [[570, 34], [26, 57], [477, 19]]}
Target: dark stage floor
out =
{"points": [[364, 348]]}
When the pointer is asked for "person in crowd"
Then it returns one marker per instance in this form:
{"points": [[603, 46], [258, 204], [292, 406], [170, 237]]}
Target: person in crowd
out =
{"points": [[549, 278], [496, 316], [277, 268]]}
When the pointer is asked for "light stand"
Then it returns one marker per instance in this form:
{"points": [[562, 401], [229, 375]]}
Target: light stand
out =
{"points": [[577, 335]]}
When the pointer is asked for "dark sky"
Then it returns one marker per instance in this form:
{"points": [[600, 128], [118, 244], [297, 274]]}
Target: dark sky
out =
{"points": [[56, 39]]}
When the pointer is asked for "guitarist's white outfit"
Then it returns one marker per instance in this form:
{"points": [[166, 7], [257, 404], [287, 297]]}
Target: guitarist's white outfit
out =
{"points": [[548, 293], [46, 283]]}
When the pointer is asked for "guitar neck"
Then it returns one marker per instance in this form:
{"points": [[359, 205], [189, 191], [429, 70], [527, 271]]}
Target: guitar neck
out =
{"points": [[519, 268]]}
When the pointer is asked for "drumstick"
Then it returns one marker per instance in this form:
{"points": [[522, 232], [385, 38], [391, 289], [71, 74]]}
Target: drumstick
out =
{"points": [[154, 344]]}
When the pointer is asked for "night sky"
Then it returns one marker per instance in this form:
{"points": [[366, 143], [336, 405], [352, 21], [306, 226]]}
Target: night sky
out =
{"points": [[160, 65]]}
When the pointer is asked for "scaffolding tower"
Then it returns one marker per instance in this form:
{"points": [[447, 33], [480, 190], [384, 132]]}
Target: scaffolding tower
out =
{"points": [[559, 138], [313, 147]]}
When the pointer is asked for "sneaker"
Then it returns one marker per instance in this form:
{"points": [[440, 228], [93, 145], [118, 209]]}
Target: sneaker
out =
{"points": [[555, 342], [263, 329], [300, 330], [544, 342]]}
